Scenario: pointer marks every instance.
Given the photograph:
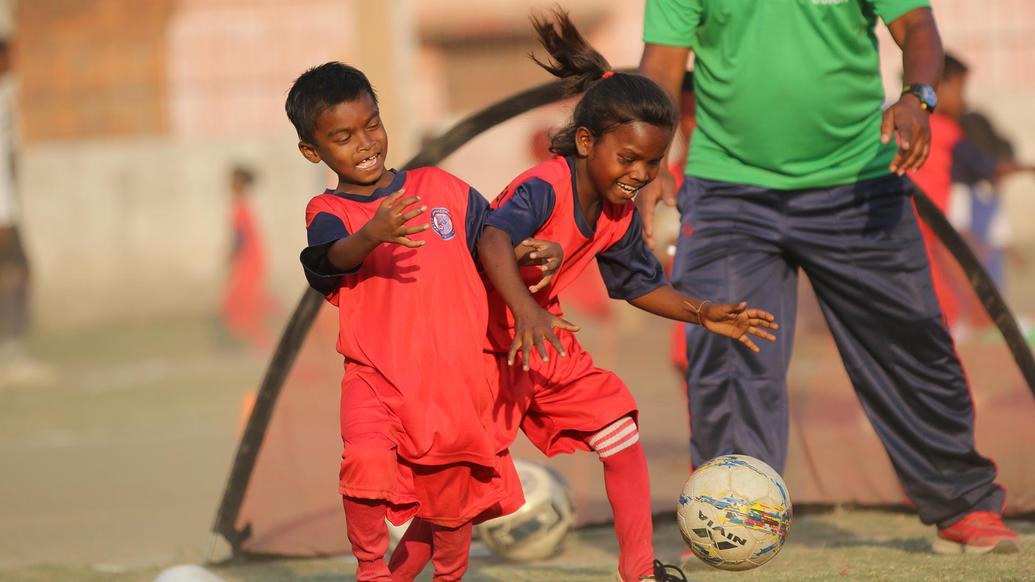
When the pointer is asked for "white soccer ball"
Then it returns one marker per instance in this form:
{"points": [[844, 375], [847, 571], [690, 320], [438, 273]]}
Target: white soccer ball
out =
{"points": [[536, 530], [734, 512]]}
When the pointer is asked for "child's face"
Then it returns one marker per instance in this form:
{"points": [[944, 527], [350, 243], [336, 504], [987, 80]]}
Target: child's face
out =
{"points": [[622, 161], [351, 140], [238, 184]]}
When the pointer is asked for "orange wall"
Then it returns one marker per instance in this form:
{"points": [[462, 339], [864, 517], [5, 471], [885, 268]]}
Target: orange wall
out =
{"points": [[92, 69]]}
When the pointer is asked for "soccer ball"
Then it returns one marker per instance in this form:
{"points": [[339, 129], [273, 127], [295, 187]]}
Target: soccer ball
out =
{"points": [[536, 530], [734, 512]]}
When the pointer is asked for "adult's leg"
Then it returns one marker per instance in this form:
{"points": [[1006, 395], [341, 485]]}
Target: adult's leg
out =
{"points": [[729, 250], [866, 260]]}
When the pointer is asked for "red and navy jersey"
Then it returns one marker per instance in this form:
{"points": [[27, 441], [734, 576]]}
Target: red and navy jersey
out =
{"points": [[542, 203], [415, 316]]}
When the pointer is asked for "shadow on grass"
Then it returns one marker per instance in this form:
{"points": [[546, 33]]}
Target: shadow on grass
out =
{"points": [[819, 535]]}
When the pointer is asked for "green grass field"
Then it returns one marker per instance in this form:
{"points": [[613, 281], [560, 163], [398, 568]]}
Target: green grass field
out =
{"points": [[114, 473]]}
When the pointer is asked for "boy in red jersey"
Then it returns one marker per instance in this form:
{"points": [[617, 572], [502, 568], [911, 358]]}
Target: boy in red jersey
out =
{"points": [[581, 199], [416, 404]]}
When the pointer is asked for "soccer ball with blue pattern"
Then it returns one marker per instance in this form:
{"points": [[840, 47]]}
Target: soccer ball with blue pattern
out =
{"points": [[734, 512]]}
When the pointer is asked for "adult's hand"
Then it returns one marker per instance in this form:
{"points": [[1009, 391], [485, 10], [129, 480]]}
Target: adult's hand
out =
{"points": [[665, 65], [907, 122], [916, 33], [663, 188]]}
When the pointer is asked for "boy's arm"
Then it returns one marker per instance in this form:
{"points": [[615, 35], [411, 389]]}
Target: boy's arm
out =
{"points": [[532, 323], [334, 252], [548, 255], [387, 225]]}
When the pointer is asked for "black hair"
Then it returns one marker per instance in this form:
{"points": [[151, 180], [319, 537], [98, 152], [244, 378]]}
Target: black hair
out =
{"points": [[321, 87], [608, 102], [953, 67], [244, 173]]}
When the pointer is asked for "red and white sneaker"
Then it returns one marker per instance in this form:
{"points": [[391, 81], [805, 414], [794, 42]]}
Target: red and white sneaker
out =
{"points": [[978, 532]]}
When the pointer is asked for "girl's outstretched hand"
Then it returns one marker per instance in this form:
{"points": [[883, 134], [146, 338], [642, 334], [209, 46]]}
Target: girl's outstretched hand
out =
{"points": [[736, 321]]}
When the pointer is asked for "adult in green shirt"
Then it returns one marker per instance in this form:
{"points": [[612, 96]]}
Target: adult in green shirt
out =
{"points": [[794, 166]]}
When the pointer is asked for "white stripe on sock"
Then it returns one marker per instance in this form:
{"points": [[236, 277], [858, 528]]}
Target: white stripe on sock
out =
{"points": [[615, 438], [620, 446], [608, 431]]}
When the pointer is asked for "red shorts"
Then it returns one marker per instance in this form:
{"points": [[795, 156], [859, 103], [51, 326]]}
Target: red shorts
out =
{"points": [[448, 495], [559, 403]]}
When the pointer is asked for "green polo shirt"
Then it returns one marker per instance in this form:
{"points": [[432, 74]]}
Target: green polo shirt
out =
{"points": [[788, 92]]}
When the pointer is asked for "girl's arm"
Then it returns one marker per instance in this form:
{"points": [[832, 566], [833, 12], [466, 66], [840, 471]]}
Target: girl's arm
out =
{"points": [[732, 320], [532, 323]]}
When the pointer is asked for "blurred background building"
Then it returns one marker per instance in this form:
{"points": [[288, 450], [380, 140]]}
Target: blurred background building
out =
{"points": [[133, 112]]}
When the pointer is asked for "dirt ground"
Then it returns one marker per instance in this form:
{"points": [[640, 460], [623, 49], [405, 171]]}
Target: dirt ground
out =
{"points": [[114, 472], [834, 545]]}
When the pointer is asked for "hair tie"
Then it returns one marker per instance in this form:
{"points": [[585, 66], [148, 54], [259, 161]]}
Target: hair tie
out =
{"points": [[607, 74]]}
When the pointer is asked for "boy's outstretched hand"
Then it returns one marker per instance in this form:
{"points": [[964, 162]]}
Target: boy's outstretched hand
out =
{"points": [[534, 327], [389, 222], [736, 321], [546, 253]]}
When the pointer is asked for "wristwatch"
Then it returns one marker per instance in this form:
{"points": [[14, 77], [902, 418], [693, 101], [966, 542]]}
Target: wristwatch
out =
{"points": [[926, 95]]}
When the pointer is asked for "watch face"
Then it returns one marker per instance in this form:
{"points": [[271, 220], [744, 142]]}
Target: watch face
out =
{"points": [[928, 96]]}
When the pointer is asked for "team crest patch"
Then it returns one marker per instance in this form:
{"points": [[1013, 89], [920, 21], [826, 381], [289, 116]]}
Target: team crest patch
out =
{"points": [[442, 223]]}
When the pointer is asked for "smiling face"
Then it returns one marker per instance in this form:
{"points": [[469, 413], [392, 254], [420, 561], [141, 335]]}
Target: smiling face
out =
{"points": [[621, 161], [351, 140]]}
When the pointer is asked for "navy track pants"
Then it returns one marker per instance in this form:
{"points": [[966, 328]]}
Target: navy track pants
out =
{"points": [[860, 246]]}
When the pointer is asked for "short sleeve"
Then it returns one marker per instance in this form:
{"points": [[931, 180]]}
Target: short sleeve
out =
{"points": [[671, 22], [477, 212], [970, 165], [891, 10], [628, 267], [528, 209], [323, 231]]}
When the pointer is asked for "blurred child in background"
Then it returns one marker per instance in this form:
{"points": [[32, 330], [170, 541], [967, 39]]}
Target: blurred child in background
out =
{"points": [[246, 305], [955, 158]]}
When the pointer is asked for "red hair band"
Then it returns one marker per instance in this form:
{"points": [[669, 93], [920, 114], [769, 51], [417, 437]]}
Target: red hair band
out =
{"points": [[607, 74]]}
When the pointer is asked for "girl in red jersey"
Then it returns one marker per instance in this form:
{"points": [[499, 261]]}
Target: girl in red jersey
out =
{"points": [[581, 198]]}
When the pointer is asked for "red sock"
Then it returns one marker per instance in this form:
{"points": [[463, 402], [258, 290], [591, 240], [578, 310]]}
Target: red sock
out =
{"points": [[628, 490], [412, 553], [447, 548], [368, 534], [451, 548]]}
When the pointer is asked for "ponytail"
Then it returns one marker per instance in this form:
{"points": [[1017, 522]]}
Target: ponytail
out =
{"points": [[611, 99]]}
